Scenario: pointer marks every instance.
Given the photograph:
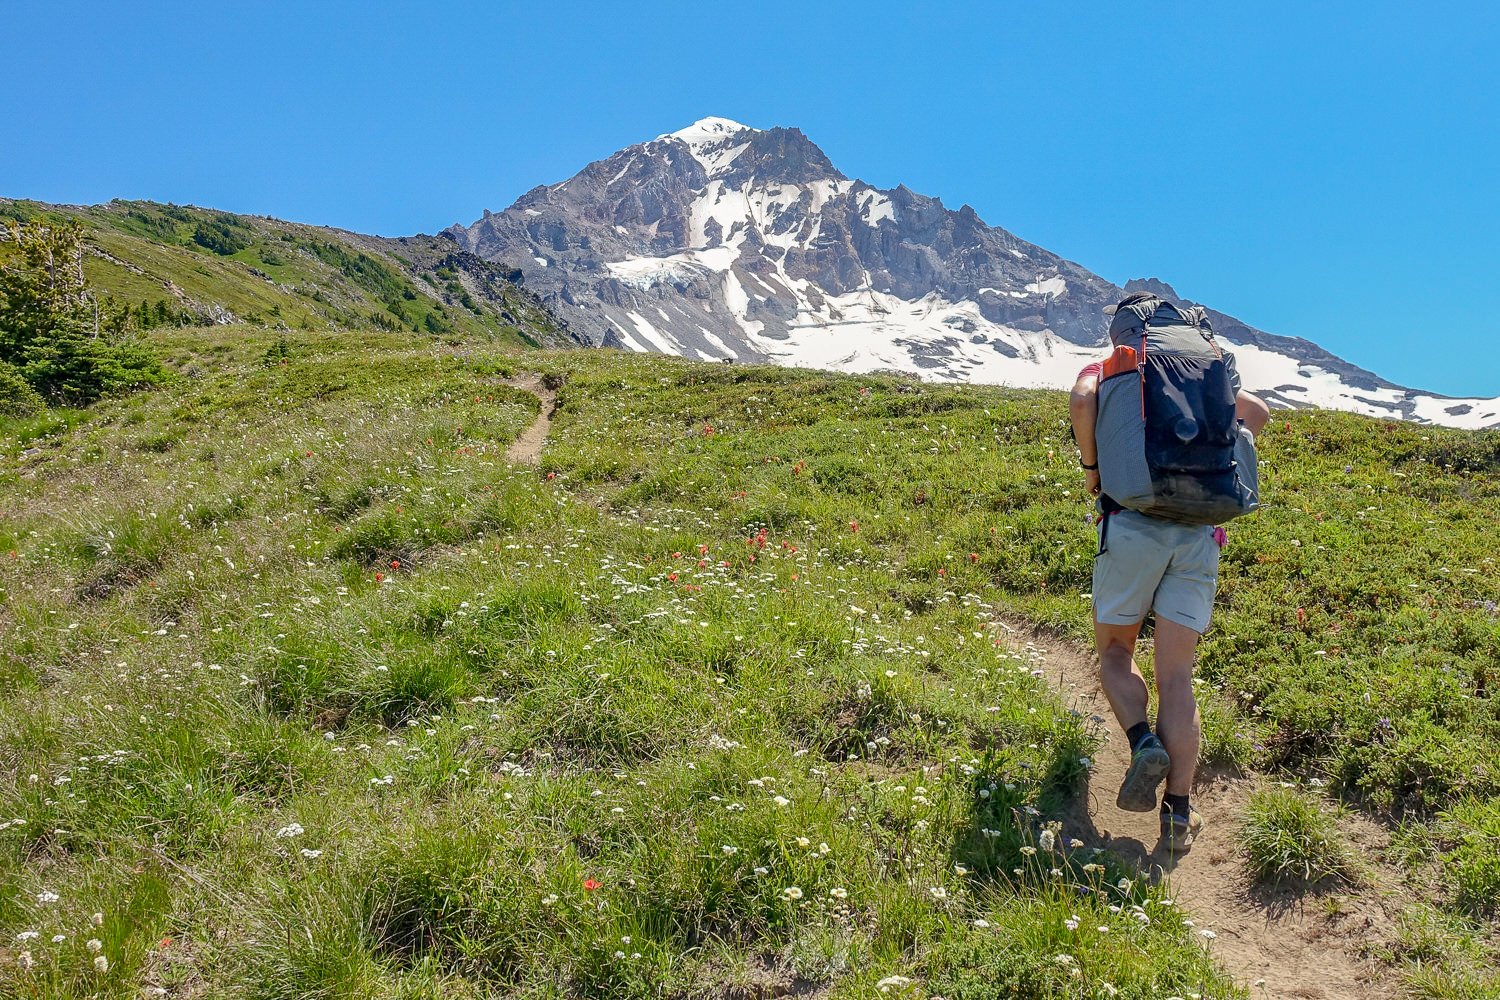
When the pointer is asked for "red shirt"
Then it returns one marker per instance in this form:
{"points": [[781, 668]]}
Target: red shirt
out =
{"points": [[1096, 370]]}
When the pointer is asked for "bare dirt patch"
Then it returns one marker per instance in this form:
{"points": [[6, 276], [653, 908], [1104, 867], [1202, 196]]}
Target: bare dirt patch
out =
{"points": [[527, 449]]}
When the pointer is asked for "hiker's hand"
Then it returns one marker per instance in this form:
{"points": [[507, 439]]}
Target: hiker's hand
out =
{"points": [[1092, 477]]}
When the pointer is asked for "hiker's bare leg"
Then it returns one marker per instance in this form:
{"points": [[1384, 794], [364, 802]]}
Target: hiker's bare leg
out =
{"points": [[1118, 675], [1177, 723]]}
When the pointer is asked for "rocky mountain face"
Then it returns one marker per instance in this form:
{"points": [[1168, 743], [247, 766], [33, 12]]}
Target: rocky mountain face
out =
{"points": [[725, 242]]}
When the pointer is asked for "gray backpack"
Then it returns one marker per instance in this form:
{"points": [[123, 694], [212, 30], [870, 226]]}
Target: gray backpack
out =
{"points": [[1169, 443]]}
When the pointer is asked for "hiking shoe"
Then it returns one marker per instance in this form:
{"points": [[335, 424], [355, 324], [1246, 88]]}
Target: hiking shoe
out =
{"points": [[1148, 767], [1178, 832]]}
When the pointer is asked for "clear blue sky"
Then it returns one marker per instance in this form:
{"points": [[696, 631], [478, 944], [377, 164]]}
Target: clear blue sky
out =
{"points": [[1325, 170]]}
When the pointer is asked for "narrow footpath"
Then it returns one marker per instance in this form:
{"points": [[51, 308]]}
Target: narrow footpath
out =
{"points": [[1278, 943], [527, 449]]}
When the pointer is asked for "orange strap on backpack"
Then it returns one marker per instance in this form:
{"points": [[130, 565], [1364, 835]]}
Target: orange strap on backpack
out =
{"points": [[1123, 360]]}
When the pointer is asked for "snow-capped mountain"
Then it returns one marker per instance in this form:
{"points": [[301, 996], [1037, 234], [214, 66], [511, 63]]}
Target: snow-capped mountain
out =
{"points": [[722, 241]]}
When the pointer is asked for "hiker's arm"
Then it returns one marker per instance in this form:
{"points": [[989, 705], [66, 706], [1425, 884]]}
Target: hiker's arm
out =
{"points": [[1252, 410], [1083, 408]]}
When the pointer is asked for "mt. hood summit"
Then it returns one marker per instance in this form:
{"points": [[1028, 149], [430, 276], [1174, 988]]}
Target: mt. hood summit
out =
{"points": [[721, 241]]}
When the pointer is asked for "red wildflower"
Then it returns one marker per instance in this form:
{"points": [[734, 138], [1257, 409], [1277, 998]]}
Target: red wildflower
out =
{"points": [[973, 557], [379, 576], [854, 526], [590, 884]]}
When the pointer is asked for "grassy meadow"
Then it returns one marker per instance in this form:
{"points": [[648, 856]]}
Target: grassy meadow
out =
{"points": [[306, 692], [180, 266]]}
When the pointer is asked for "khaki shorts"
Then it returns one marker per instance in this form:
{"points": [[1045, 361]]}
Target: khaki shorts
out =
{"points": [[1149, 564]]}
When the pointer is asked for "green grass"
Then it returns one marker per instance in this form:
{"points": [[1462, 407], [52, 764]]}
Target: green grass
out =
{"points": [[1288, 839], [317, 686], [295, 276], [1443, 956]]}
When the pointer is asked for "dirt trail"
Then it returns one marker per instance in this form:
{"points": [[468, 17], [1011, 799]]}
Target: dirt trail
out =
{"points": [[527, 449], [1278, 943]]}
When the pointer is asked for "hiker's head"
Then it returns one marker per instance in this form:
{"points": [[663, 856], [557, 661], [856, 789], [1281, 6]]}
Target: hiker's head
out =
{"points": [[1129, 313], [1133, 299]]}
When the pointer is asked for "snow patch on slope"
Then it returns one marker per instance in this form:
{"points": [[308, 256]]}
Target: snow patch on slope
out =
{"points": [[644, 272], [709, 129], [1310, 385], [874, 206], [1050, 287]]}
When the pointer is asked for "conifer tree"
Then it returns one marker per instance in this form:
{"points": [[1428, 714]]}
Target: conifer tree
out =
{"points": [[52, 330]]}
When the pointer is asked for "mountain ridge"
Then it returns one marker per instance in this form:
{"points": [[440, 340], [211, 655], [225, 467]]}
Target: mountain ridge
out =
{"points": [[721, 241], [178, 265]]}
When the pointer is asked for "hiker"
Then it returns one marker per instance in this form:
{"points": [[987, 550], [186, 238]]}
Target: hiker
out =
{"points": [[1166, 423]]}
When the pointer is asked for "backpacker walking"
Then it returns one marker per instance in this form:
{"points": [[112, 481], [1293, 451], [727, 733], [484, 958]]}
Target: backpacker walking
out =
{"points": [[1166, 438]]}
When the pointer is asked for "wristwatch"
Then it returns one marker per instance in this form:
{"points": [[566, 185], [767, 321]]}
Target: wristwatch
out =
{"points": [[1091, 468]]}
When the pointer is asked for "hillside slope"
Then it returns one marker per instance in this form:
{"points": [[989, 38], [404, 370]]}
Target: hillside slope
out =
{"points": [[306, 691], [175, 265]]}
